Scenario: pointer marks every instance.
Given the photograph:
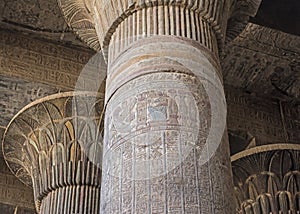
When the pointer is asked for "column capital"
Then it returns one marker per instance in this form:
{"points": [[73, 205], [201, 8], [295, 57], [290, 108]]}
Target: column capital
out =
{"points": [[78, 15], [266, 179], [56, 142], [96, 21]]}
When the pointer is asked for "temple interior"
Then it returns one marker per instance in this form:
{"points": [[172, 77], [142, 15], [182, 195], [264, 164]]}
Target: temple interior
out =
{"points": [[79, 78]]}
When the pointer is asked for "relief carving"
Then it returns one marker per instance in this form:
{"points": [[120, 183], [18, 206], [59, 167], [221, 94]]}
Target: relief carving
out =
{"points": [[54, 144], [79, 16], [266, 179]]}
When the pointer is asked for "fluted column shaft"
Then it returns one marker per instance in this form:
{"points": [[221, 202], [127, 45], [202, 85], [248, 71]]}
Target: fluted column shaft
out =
{"points": [[165, 147], [72, 187]]}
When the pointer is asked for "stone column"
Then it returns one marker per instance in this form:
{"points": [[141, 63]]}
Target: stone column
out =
{"points": [[165, 147], [267, 178], [55, 146]]}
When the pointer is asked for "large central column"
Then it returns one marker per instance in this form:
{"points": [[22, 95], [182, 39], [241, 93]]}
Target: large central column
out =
{"points": [[165, 146]]}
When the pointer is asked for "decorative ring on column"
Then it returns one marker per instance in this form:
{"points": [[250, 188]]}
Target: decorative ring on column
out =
{"points": [[55, 145]]}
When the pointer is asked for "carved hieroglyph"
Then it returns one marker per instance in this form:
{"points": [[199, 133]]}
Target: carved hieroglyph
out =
{"points": [[54, 144], [264, 61], [266, 179], [164, 149]]}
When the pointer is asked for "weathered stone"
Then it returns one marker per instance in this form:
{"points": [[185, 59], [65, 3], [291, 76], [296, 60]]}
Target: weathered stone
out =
{"points": [[54, 144], [163, 152], [271, 185]]}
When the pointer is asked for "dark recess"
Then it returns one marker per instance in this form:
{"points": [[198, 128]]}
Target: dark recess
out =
{"points": [[283, 15]]}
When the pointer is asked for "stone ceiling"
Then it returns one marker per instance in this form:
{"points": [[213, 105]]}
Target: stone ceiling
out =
{"points": [[280, 15], [38, 18], [264, 61]]}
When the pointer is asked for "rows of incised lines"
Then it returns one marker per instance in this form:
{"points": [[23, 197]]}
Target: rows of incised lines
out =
{"points": [[162, 20], [79, 17], [257, 71], [43, 62], [164, 176], [261, 118], [278, 41], [16, 93], [170, 54], [265, 61], [110, 14], [76, 54], [42, 14]]}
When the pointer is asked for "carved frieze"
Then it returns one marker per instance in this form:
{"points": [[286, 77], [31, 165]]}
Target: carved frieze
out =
{"points": [[40, 18], [43, 15], [261, 117], [264, 61], [16, 93], [40, 61]]}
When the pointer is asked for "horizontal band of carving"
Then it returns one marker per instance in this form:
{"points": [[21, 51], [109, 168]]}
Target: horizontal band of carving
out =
{"points": [[110, 14], [162, 20], [160, 54]]}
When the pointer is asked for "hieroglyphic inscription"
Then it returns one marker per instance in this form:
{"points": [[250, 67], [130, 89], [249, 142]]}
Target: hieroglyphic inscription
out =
{"points": [[157, 127], [16, 93], [41, 61], [262, 117], [12, 191], [264, 61]]}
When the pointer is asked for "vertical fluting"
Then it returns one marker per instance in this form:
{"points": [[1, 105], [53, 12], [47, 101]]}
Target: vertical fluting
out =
{"points": [[72, 187], [157, 20]]}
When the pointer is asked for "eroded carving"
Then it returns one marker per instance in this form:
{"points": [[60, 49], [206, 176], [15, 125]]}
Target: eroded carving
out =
{"points": [[264, 61], [79, 16]]}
